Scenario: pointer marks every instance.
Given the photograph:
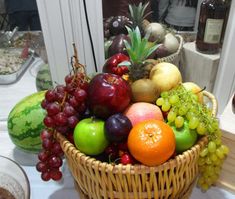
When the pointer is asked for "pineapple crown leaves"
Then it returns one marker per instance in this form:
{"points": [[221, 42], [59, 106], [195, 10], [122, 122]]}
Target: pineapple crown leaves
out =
{"points": [[138, 13], [138, 49]]}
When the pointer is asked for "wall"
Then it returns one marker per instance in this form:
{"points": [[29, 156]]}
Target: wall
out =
{"points": [[225, 80]]}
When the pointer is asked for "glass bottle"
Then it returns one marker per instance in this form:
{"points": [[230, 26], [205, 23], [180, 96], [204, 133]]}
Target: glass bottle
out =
{"points": [[212, 20]]}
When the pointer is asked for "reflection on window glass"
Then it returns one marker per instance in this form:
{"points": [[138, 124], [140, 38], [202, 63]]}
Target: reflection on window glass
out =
{"points": [[145, 15], [22, 47], [23, 14], [178, 14]]}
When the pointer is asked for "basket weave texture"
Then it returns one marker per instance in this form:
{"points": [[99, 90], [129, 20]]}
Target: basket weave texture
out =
{"points": [[175, 57], [99, 180]]}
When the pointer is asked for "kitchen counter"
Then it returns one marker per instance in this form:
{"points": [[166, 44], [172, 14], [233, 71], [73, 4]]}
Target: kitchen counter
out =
{"points": [[9, 96]]}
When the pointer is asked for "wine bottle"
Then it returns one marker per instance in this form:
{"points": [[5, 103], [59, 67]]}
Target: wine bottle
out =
{"points": [[212, 20]]}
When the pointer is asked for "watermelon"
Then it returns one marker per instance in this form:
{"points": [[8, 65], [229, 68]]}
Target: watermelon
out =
{"points": [[43, 78], [25, 122]]}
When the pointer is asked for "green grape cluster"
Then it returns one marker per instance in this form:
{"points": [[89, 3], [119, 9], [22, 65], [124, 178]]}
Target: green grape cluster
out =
{"points": [[210, 162], [180, 105]]}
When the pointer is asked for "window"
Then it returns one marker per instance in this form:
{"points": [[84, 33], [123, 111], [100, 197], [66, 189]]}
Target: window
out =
{"points": [[64, 22]]}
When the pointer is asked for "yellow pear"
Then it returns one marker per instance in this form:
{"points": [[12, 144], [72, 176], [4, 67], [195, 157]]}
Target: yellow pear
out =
{"points": [[195, 89], [165, 76]]}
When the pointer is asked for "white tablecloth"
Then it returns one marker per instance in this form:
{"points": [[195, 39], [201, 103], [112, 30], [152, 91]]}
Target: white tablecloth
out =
{"points": [[9, 96]]}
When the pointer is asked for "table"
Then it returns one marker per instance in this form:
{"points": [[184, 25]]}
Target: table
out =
{"points": [[64, 189]]}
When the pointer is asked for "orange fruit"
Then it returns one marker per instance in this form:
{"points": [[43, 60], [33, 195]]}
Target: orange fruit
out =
{"points": [[151, 142]]}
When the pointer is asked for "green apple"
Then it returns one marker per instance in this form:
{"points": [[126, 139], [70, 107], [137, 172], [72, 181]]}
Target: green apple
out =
{"points": [[185, 137], [89, 136]]}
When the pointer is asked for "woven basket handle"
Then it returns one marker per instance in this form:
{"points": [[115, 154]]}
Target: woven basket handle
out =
{"points": [[213, 101]]}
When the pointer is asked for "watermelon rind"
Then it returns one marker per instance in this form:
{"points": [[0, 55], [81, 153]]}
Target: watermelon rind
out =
{"points": [[25, 123]]}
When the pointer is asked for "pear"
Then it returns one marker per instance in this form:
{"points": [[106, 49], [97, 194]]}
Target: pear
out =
{"points": [[143, 90]]}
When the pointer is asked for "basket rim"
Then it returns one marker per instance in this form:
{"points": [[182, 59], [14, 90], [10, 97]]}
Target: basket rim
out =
{"points": [[133, 169], [175, 54]]}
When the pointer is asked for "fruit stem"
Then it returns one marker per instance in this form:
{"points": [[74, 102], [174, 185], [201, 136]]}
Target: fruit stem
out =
{"points": [[76, 64], [63, 101], [201, 90], [115, 161], [93, 118]]}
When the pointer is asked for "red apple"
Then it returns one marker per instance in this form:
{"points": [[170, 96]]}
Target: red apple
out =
{"points": [[108, 94], [142, 111], [111, 65]]}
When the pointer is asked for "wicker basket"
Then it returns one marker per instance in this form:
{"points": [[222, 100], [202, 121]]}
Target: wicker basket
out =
{"points": [[173, 179], [175, 57]]}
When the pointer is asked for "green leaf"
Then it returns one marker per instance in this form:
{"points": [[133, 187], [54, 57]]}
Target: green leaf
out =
{"points": [[128, 48], [151, 50], [147, 35], [124, 63], [131, 36], [139, 12], [148, 13], [138, 48], [127, 45], [145, 6], [138, 35], [131, 10], [142, 48]]}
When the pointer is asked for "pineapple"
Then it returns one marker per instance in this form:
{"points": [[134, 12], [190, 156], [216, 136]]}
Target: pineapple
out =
{"points": [[138, 15], [138, 50]]}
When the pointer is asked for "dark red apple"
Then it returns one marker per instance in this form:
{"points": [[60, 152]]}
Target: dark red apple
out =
{"points": [[117, 127], [118, 45], [111, 65], [108, 94], [161, 51]]}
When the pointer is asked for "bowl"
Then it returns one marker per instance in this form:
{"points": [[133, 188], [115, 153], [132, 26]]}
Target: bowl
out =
{"points": [[14, 183]]}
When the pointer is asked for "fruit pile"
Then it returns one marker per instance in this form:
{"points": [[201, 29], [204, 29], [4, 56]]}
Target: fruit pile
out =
{"points": [[145, 121], [131, 113], [116, 32]]}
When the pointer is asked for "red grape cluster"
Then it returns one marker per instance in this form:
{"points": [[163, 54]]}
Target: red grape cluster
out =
{"points": [[50, 157], [65, 106]]}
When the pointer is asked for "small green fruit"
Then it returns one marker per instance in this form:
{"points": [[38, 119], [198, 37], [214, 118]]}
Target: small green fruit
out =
{"points": [[89, 136], [185, 137]]}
